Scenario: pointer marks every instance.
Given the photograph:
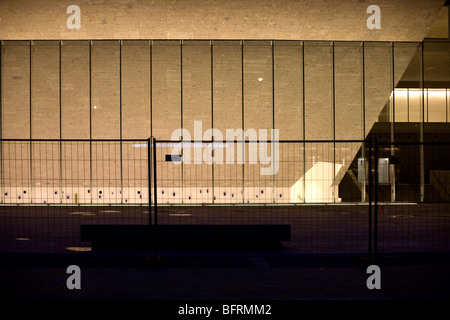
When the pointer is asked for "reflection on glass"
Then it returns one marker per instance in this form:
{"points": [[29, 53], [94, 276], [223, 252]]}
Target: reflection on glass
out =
{"points": [[401, 105], [414, 104], [436, 105]]}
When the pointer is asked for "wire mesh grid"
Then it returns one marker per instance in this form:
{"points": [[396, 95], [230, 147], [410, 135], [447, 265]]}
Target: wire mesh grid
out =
{"points": [[50, 188], [413, 212], [251, 183]]}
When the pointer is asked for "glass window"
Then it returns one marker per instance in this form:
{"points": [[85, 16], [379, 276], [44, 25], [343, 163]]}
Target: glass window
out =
{"points": [[436, 105], [288, 87], [415, 105], [378, 83], [348, 90], [288, 90], [45, 90], [318, 91], [166, 88], [227, 114], [401, 105], [105, 124], [75, 79], [135, 89], [197, 112], [105, 86], [16, 90], [406, 72], [45, 121], [437, 79], [258, 114], [439, 27]]}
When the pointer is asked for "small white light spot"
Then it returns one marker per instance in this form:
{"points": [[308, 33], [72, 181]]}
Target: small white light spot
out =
{"points": [[79, 249], [260, 79], [95, 107], [179, 214], [83, 213]]}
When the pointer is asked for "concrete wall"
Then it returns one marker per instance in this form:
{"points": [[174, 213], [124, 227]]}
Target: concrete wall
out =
{"points": [[401, 20]]}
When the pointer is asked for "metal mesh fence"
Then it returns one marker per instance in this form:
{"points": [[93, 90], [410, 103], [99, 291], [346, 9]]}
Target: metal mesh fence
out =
{"points": [[50, 188], [413, 210], [325, 191], [296, 183]]}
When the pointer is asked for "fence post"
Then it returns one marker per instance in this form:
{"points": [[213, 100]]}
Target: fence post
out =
{"points": [[154, 260], [369, 143], [375, 230], [155, 201], [149, 166]]}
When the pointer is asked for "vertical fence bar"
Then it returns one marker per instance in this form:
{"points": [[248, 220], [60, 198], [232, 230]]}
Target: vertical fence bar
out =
{"points": [[120, 124], [375, 223], [211, 43], [363, 120], [181, 120], [155, 201], [153, 259], [150, 45], [303, 121], [243, 120], [155, 187], [90, 120], [422, 123], [60, 127], [31, 120], [149, 165], [333, 116], [369, 142], [392, 111], [1, 123], [273, 121]]}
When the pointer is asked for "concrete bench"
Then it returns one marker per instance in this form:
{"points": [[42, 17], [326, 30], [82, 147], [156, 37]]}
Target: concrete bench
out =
{"points": [[184, 236]]}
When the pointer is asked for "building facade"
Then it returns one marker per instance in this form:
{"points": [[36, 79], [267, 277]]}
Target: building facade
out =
{"points": [[77, 106]]}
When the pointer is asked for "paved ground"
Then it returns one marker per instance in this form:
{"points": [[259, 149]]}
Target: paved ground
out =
{"points": [[226, 275], [221, 276], [108, 278], [315, 229]]}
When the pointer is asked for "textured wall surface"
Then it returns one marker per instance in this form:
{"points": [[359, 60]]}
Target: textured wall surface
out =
{"points": [[401, 20], [130, 89]]}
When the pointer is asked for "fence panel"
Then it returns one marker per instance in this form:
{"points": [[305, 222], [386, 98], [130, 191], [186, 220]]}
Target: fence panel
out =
{"points": [[51, 187], [256, 183], [413, 213]]}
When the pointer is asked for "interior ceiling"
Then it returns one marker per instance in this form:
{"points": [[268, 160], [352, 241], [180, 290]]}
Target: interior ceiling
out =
{"points": [[401, 20]]}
